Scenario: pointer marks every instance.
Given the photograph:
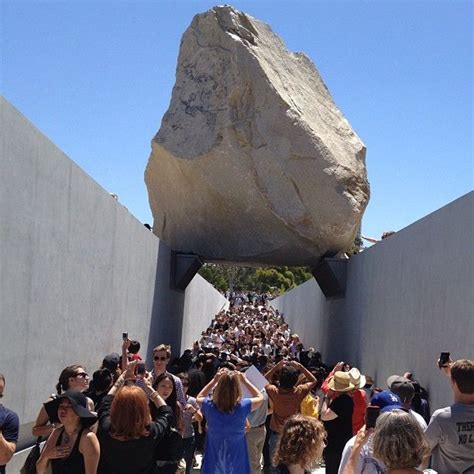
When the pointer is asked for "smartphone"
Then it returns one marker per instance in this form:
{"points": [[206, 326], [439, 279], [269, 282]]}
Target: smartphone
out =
{"points": [[124, 335], [140, 368], [371, 416], [443, 359]]}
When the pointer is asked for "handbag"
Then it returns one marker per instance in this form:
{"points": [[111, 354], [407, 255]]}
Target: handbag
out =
{"points": [[30, 462]]}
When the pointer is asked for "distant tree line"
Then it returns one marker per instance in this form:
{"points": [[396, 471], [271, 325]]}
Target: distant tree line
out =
{"points": [[261, 280]]}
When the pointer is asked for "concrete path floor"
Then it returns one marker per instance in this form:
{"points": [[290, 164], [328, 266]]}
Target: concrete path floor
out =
{"points": [[199, 459]]}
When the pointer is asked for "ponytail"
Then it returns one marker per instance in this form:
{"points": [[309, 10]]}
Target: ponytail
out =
{"points": [[66, 374]]}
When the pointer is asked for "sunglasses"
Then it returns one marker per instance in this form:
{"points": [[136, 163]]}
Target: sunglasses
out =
{"points": [[185, 384], [82, 375], [160, 358]]}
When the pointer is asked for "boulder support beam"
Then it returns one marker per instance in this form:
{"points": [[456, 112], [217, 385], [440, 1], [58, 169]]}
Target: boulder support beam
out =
{"points": [[331, 275]]}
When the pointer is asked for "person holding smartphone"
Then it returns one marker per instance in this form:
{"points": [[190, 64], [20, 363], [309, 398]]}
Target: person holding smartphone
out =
{"points": [[450, 432], [397, 441], [364, 462]]}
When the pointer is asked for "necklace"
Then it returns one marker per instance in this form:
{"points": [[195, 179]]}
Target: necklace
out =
{"points": [[67, 436]]}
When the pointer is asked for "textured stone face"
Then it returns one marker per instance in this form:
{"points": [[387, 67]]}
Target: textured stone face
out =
{"points": [[253, 162]]}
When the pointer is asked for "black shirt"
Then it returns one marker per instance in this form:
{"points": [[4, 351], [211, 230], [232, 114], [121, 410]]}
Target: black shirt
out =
{"points": [[74, 463], [339, 430], [135, 456]]}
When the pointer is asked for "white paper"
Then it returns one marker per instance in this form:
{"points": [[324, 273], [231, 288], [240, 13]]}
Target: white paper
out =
{"points": [[255, 378]]}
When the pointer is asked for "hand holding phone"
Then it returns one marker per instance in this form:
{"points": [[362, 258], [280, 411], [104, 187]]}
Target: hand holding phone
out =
{"points": [[140, 369], [371, 416], [443, 359], [124, 335]]}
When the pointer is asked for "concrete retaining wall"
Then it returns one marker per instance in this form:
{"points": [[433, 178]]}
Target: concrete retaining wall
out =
{"points": [[408, 298], [76, 269], [199, 308], [311, 316]]}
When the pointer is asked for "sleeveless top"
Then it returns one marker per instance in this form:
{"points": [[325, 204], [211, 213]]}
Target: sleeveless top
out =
{"points": [[74, 463]]}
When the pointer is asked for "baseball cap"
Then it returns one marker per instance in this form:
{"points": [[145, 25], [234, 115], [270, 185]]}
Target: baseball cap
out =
{"points": [[111, 361], [402, 387], [386, 400]]}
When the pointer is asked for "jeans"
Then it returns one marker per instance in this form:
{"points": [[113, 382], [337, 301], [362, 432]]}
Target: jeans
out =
{"points": [[273, 442], [188, 446]]}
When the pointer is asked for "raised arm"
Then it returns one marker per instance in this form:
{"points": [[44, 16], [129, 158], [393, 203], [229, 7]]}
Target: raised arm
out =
{"points": [[42, 427], [209, 387], [257, 397], [361, 439], [369, 239], [269, 375], [125, 347], [337, 367], [127, 376], [152, 394], [309, 376]]}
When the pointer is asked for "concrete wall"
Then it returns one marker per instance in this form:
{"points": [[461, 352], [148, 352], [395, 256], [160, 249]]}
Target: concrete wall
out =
{"points": [[76, 269], [181, 315], [311, 316], [199, 309], [408, 298]]}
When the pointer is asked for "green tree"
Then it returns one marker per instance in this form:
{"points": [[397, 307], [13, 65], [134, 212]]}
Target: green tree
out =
{"points": [[263, 279]]}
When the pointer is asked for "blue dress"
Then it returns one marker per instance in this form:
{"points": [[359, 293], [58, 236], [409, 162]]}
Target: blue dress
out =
{"points": [[226, 449]]}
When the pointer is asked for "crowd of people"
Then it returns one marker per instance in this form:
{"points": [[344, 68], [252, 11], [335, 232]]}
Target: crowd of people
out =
{"points": [[127, 419]]}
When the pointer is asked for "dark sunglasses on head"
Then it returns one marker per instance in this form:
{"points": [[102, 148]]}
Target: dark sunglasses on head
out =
{"points": [[160, 358], [82, 375]]}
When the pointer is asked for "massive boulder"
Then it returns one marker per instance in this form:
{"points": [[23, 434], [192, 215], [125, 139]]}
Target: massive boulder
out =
{"points": [[253, 162]]}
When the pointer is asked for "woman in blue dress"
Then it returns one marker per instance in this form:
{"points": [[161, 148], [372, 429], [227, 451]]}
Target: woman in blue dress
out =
{"points": [[226, 413]]}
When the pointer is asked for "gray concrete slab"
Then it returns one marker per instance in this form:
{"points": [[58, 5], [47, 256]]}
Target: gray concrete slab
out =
{"points": [[408, 298]]}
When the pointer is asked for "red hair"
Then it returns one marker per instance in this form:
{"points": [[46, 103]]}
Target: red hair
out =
{"points": [[129, 414]]}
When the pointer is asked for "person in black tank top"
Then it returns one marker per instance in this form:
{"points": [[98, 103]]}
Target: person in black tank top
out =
{"points": [[72, 448], [74, 463]]}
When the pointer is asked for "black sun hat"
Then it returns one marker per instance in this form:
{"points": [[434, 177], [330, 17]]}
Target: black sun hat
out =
{"points": [[79, 406]]}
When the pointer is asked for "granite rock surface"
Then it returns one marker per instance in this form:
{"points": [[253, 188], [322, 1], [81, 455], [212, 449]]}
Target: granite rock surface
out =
{"points": [[253, 162]]}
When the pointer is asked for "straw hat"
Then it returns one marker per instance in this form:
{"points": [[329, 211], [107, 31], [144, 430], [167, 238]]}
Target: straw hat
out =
{"points": [[341, 382], [356, 378]]}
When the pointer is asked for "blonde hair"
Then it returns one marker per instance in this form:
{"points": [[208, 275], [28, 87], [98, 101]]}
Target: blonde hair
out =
{"points": [[399, 441], [302, 442], [227, 393]]}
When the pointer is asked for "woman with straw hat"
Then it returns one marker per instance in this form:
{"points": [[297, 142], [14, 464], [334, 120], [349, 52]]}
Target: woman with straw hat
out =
{"points": [[336, 414]]}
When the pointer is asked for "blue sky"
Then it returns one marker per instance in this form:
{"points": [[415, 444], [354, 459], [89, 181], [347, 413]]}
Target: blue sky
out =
{"points": [[96, 78]]}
